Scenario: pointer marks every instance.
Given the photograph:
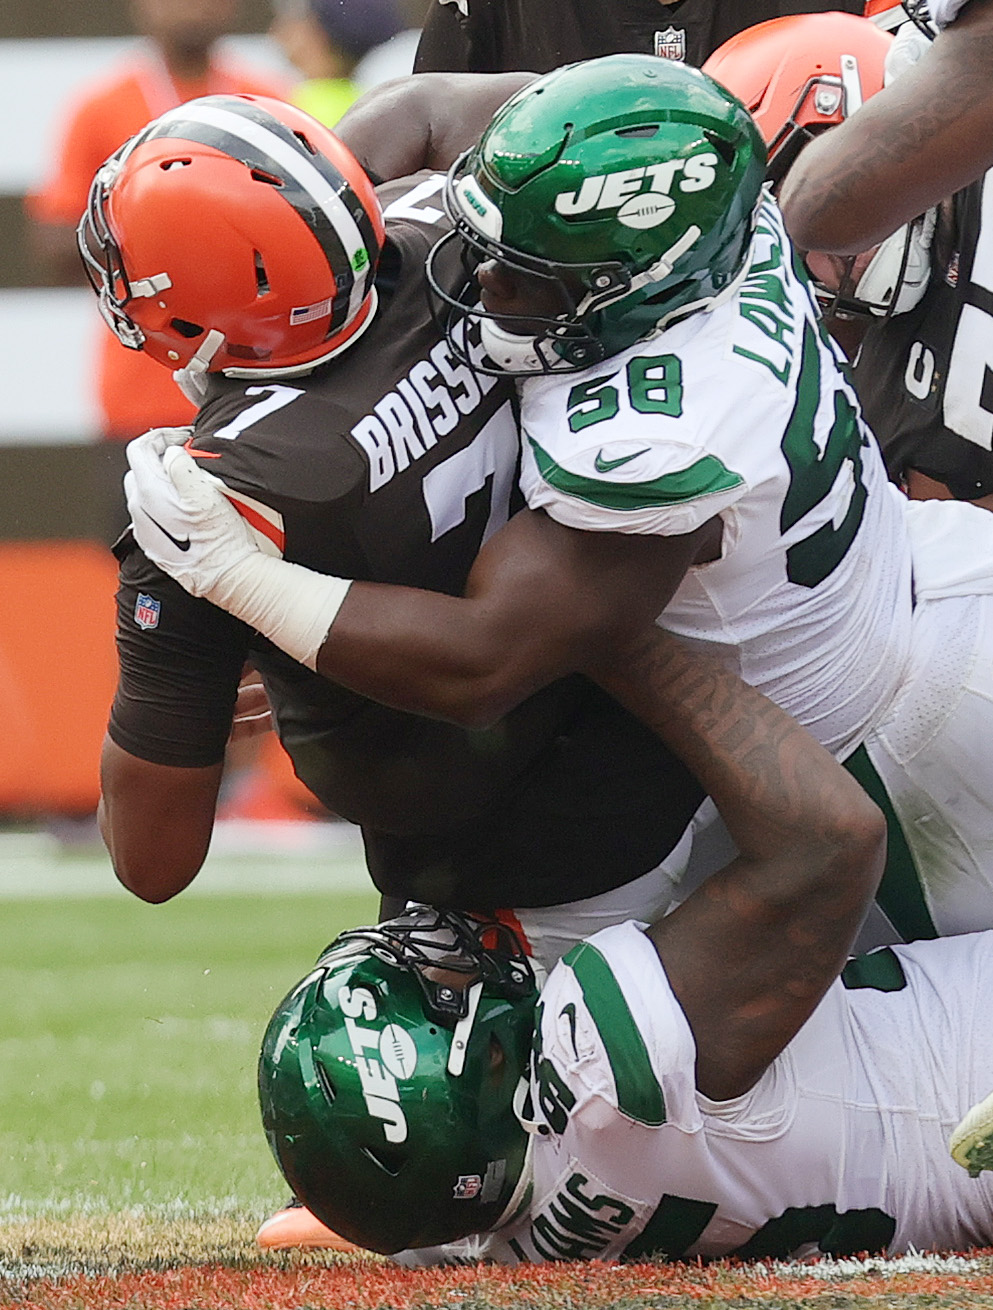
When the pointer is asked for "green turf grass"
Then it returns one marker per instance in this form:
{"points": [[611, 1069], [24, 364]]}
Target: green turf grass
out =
{"points": [[128, 1044]]}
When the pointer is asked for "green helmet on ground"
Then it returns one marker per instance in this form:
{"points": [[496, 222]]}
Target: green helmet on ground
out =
{"points": [[630, 180], [387, 1092]]}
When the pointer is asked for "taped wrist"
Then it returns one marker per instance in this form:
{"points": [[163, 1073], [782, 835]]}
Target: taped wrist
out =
{"points": [[292, 606]]}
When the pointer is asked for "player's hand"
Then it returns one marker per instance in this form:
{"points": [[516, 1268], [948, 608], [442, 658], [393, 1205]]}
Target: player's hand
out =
{"points": [[180, 516]]}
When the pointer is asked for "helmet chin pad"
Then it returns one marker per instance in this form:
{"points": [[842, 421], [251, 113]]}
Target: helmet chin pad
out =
{"points": [[511, 352]]}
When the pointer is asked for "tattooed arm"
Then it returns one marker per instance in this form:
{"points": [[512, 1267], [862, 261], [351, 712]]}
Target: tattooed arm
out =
{"points": [[752, 951], [924, 137]]}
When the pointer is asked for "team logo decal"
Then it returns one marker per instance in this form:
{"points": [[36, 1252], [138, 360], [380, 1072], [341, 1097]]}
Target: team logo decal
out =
{"points": [[397, 1051], [671, 44], [648, 210], [147, 610], [641, 196], [382, 1056], [467, 1188]]}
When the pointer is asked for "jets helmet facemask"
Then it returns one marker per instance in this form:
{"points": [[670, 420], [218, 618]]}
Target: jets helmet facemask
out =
{"points": [[387, 1089], [627, 184]]}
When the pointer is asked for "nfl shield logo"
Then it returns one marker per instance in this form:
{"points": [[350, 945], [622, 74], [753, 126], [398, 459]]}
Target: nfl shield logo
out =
{"points": [[671, 44], [146, 611], [467, 1187]]}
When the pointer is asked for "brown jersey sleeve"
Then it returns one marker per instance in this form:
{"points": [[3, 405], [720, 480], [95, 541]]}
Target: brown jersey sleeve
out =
{"points": [[180, 661]]}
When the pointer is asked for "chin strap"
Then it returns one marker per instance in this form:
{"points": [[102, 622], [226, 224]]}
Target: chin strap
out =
{"points": [[192, 380], [463, 1031]]}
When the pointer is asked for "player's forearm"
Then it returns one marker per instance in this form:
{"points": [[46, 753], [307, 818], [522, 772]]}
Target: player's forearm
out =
{"points": [[156, 821], [776, 787], [919, 140], [542, 600], [781, 917], [424, 121], [446, 657]]}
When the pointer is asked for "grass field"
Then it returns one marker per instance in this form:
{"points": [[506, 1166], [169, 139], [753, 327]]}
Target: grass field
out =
{"points": [[129, 1039], [135, 1170]]}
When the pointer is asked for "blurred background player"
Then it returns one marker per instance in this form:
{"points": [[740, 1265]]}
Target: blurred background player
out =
{"points": [[491, 36], [896, 308], [177, 61], [327, 40]]}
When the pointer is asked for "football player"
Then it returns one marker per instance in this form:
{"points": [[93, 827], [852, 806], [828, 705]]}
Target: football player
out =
{"points": [[924, 139], [706, 1086], [920, 376], [801, 76], [238, 240], [678, 387], [490, 36]]}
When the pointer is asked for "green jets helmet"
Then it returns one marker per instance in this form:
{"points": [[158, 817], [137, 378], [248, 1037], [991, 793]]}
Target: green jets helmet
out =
{"points": [[387, 1087], [629, 181]]}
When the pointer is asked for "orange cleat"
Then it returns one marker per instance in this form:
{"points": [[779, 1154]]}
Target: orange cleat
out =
{"points": [[296, 1227]]}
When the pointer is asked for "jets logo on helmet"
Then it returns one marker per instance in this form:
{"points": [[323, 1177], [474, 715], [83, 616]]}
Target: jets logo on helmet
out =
{"points": [[625, 191], [627, 183], [234, 234], [397, 1058], [387, 1090]]}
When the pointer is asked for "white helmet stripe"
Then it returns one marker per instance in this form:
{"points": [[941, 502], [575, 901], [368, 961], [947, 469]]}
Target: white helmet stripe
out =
{"points": [[298, 167]]}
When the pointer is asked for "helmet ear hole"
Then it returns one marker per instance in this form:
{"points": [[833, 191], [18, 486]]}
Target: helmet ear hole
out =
{"points": [[262, 285], [269, 179], [391, 1162], [724, 148], [187, 329]]}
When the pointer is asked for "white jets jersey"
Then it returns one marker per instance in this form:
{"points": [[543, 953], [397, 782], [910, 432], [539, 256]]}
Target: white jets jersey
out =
{"points": [[744, 412], [840, 1147]]}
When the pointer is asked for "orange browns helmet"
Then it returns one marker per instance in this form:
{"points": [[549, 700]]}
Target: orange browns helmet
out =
{"points": [[801, 73], [237, 234]]}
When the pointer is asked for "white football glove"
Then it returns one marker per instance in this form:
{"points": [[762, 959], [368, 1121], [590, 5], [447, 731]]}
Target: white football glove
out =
{"points": [[180, 516], [907, 48], [185, 524]]}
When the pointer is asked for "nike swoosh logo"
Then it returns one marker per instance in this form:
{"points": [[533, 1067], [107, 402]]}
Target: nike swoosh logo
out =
{"points": [[605, 465], [183, 544], [569, 1012]]}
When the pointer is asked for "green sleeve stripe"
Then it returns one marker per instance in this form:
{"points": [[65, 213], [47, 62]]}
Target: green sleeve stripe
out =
{"points": [[639, 1095], [879, 970], [706, 477], [901, 894]]}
